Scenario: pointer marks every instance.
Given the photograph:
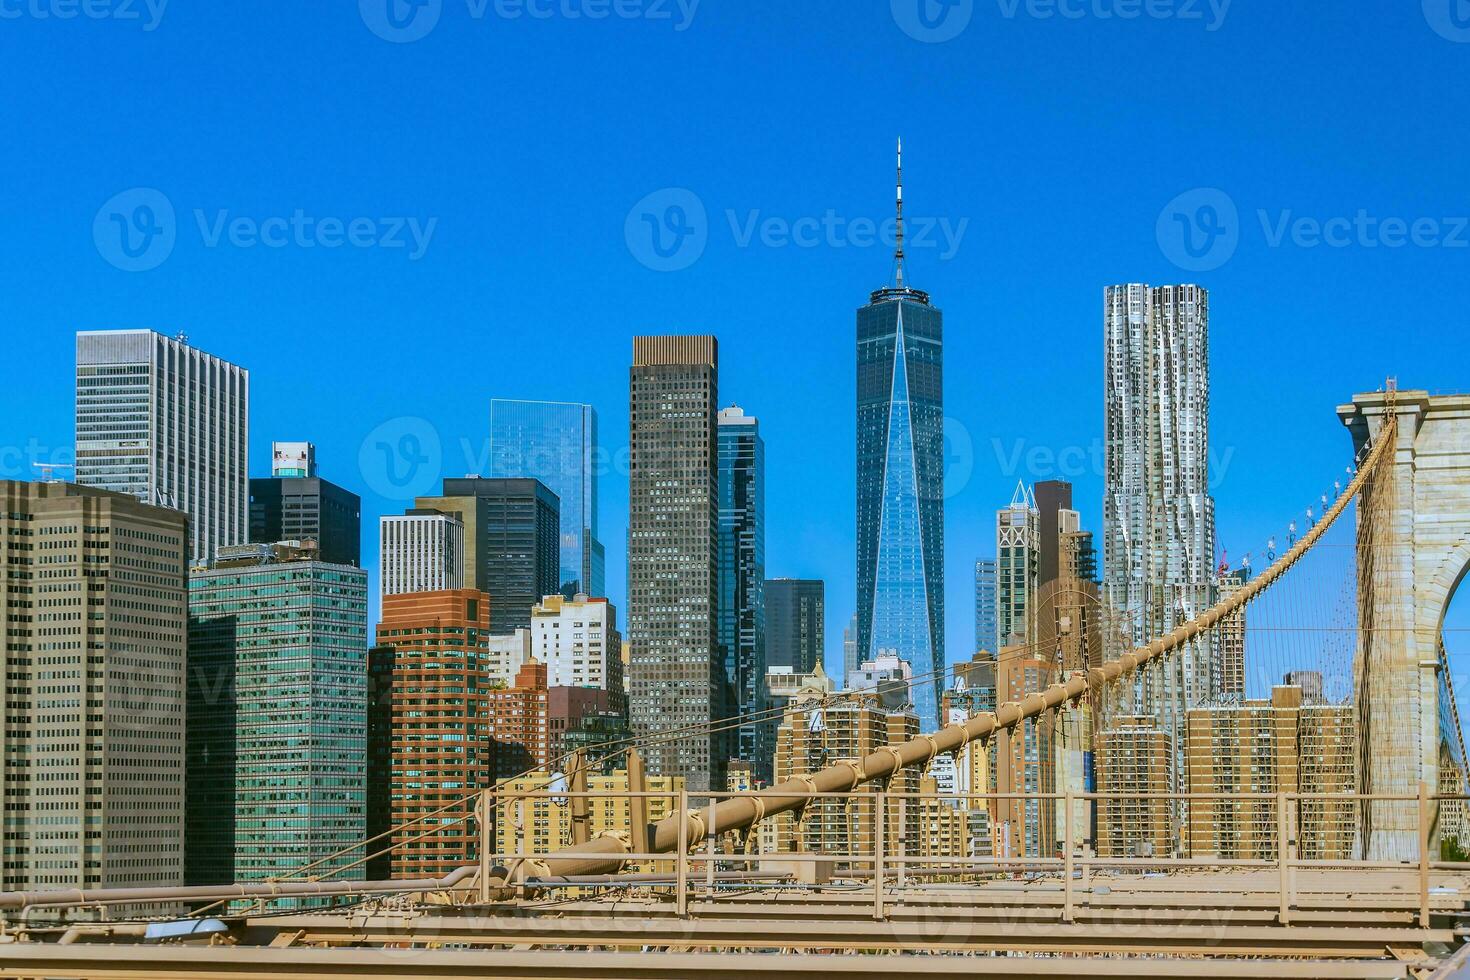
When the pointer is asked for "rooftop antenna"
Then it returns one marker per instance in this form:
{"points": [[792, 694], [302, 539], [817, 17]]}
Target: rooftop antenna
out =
{"points": [[898, 254], [48, 470]]}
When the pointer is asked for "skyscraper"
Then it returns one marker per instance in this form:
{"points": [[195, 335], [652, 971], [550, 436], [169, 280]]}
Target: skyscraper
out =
{"points": [[796, 612], [420, 551], [92, 585], [294, 504], [676, 678], [432, 738], [556, 443], [1017, 547], [900, 478], [1158, 515], [277, 717], [987, 632], [742, 548], [1052, 497], [168, 424], [511, 531]]}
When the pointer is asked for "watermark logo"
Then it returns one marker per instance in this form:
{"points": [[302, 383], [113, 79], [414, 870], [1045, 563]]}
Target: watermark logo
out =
{"points": [[400, 21], [1210, 13], [959, 457], [149, 13], [668, 230], [1449, 18], [401, 458], [1199, 230], [933, 21], [136, 230], [405, 21]]}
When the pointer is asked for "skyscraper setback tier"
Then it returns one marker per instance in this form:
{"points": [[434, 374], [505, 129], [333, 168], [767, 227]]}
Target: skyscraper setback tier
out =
{"points": [[1158, 515], [556, 443], [168, 424], [742, 609], [95, 610], [295, 504], [675, 678]]}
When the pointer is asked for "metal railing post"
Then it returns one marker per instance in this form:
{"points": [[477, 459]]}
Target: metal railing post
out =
{"points": [[1424, 856], [681, 860], [1067, 860], [879, 846], [709, 830], [484, 813], [1283, 858]]}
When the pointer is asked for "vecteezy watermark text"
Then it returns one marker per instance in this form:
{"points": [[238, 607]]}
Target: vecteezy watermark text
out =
{"points": [[148, 13], [669, 230], [1200, 230], [937, 21], [137, 230], [406, 21]]}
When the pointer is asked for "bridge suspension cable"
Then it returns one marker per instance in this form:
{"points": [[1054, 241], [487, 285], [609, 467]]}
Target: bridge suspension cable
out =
{"points": [[603, 855]]}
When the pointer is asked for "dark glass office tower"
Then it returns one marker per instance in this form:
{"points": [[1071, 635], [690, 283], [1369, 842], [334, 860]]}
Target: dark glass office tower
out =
{"points": [[556, 443], [511, 532], [742, 613], [676, 678], [900, 480], [295, 503], [795, 623]]}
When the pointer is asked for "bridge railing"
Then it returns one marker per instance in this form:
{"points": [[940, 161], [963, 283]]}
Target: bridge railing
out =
{"points": [[1288, 843]]}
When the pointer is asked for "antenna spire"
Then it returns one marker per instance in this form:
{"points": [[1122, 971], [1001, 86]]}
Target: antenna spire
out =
{"points": [[898, 254]]}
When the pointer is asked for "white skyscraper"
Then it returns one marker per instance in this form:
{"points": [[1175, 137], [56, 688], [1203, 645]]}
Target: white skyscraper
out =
{"points": [[1158, 516], [168, 424], [420, 551]]}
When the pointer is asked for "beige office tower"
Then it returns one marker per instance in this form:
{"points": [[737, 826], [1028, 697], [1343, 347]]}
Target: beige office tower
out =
{"points": [[812, 736], [676, 674], [1265, 747], [1134, 756], [1025, 760], [93, 627], [168, 424]]}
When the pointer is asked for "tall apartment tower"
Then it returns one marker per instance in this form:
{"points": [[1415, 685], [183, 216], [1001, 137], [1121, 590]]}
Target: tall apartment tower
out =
{"points": [[1018, 564], [987, 610], [676, 676], [431, 735], [796, 613], [742, 548], [294, 504], [277, 715], [168, 424], [92, 692], [1158, 516], [556, 443], [420, 551], [512, 530], [900, 478]]}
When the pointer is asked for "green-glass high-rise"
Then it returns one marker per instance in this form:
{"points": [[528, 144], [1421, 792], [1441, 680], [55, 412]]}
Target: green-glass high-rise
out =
{"points": [[277, 716]]}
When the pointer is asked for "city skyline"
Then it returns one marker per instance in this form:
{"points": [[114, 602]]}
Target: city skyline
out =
{"points": [[1035, 218]]}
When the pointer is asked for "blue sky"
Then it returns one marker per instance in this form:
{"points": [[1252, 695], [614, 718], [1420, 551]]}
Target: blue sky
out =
{"points": [[453, 218]]}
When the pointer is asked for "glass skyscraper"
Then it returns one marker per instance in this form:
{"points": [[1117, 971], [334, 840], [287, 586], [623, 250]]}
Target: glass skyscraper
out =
{"points": [[987, 629], [742, 613], [556, 443], [277, 716], [900, 482]]}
